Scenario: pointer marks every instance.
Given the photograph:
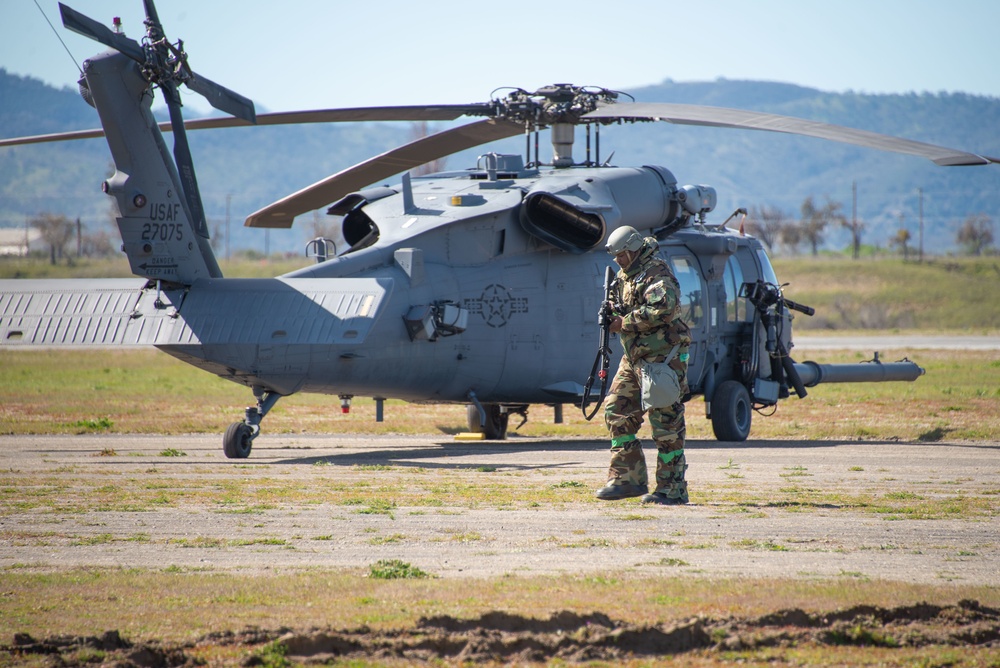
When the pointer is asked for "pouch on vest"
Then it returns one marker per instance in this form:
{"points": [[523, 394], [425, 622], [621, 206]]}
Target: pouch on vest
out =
{"points": [[660, 386]]}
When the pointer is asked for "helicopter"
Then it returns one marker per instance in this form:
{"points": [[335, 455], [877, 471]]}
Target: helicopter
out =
{"points": [[479, 287]]}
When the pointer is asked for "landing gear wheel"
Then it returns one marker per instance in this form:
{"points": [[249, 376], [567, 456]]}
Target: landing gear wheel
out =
{"points": [[238, 440], [496, 421], [732, 412]]}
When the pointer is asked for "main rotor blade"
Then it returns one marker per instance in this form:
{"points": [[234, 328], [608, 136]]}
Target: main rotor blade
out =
{"points": [[222, 98], [424, 150], [88, 27], [447, 112], [348, 115], [722, 117], [58, 136]]}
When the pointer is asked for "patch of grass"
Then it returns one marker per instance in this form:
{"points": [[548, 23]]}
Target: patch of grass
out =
{"points": [[272, 655], [245, 542], [892, 294], [583, 543], [671, 561], [99, 424], [902, 496], [172, 452], [378, 507], [859, 635], [751, 544], [395, 569], [99, 539]]}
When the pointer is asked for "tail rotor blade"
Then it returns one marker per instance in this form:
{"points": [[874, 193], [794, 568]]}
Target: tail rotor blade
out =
{"points": [[222, 98], [185, 169], [88, 27], [151, 11]]}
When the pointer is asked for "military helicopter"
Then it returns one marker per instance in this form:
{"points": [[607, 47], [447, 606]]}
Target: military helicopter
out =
{"points": [[480, 286]]}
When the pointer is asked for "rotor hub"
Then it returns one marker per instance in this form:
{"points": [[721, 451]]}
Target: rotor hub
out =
{"points": [[556, 103]]}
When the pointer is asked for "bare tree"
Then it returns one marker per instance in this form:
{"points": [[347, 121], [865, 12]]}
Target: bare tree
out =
{"points": [[791, 236], [854, 226], [56, 231], [766, 223], [322, 227], [815, 219], [99, 243], [975, 234]]}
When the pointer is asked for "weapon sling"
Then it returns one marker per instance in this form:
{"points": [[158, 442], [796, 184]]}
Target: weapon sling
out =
{"points": [[603, 359]]}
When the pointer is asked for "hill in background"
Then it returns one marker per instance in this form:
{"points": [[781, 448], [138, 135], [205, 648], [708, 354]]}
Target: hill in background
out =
{"points": [[246, 168]]}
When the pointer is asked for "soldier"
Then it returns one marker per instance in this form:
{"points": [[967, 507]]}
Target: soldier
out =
{"points": [[647, 305]]}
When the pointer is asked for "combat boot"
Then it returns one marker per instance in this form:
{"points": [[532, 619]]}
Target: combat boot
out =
{"points": [[627, 474], [671, 488]]}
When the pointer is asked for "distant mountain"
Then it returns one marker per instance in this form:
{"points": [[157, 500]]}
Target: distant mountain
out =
{"points": [[250, 167]]}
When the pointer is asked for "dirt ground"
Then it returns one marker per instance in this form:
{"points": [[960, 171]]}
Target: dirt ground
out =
{"points": [[907, 512], [740, 503]]}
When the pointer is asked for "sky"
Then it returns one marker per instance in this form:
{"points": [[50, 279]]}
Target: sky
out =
{"points": [[314, 54]]}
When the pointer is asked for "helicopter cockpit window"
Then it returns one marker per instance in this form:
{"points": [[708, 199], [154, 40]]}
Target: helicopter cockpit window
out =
{"points": [[736, 306], [689, 280], [767, 271]]}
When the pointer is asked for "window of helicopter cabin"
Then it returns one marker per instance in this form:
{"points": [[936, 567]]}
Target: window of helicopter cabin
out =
{"points": [[736, 306], [767, 271], [689, 279]]}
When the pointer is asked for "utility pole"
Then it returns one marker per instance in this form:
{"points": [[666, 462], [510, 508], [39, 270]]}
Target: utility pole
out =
{"points": [[855, 241], [920, 192], [229, 199]]}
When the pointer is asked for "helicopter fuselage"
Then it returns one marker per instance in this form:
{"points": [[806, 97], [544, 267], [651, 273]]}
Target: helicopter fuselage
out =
{"points": [[367, 322]]}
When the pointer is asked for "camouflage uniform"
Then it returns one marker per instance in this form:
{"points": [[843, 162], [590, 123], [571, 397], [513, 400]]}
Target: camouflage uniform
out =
{"points": [[648, 298]]}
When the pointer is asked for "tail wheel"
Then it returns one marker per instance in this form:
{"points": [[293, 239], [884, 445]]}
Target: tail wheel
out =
{"points": [[496, 421], [732, 411], [238, 440]]}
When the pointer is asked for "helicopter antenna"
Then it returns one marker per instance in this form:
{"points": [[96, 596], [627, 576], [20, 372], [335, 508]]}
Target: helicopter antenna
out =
{"points": [[738, 212], [59, 37]]}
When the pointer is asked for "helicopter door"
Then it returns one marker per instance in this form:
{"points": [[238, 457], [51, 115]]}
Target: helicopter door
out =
{"points": [[688, 273]]}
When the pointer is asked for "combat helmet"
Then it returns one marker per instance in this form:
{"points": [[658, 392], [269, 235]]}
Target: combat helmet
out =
{"points": [[624, 239]]}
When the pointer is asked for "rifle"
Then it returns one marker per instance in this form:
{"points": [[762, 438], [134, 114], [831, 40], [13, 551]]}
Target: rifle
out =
{"points": [[603, 359]]}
